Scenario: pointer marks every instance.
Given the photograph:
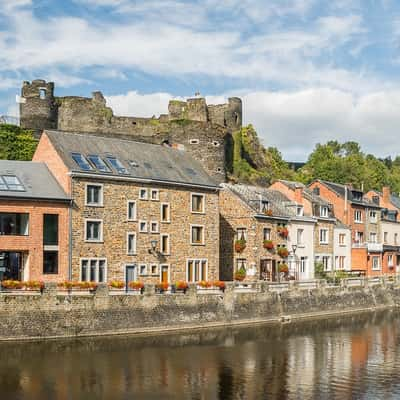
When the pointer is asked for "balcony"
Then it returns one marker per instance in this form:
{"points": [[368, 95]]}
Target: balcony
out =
{"points": [[375, 247]]}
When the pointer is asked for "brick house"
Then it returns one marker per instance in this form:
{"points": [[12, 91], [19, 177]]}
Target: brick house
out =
{"points": [[363, 216], [390, 232], [140, 211], [34, 223], [259, 216], [331, 239]]}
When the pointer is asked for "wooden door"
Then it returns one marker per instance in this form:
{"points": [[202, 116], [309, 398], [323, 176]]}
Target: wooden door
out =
{"points": [[164, 273], [130, 273]]}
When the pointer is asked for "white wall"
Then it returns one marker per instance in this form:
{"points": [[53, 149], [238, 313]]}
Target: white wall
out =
{"points": [[342, 250]]}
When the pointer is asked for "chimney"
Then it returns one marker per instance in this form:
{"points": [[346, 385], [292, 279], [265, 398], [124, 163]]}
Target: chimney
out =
{"points": [[298, 195], [386, 194]]}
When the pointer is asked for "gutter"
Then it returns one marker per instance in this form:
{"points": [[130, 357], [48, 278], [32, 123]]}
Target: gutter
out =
{"points": [[45, 199]]}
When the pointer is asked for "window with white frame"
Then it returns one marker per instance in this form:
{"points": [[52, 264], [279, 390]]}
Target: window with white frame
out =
{"points": [[342, 239], [154, 269], [196, 234], [373, 217], [93, 270], [299, 211], [142, 269], [390, 260], [376, 263], [154, 194], [300, 237], [165, 212], [340, 262], [164, 243], [197, 203], [359, 237], [131, 210], [323, 236], [241, 234], [326, 263], [324, 211], [93, 230], [196, 270], [267, 233], [143, 227], [385, 237], [94, 195], [131, 243], [241, 263], [358, 216], [143, 194], [372, 237], [303, 264], [395, 238], [154, 227]]}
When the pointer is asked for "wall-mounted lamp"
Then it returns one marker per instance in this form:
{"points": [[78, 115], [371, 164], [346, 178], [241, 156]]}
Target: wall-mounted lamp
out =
{"points": [[294, 248]]}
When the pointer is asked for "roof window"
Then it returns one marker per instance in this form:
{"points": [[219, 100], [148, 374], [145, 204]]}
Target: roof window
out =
{"points": [[81, 161], [12, 183], [99, 163], [117, 165]]}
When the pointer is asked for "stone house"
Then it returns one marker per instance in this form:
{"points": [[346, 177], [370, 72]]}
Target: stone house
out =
{"points": [[34, 223], [331, 247], [140, 211], [363, 216], [269, 224]]}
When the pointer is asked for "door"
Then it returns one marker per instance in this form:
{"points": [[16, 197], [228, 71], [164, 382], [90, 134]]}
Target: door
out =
{"points": [[265, 270], [164, 273], [130, 274], [11, 265]]}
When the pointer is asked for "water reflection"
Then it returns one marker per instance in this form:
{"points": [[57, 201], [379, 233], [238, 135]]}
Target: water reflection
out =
{"points": [[353, 357]]}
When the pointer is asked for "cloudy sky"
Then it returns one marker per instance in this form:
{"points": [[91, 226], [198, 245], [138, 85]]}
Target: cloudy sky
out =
{"points": [[307, 70]]}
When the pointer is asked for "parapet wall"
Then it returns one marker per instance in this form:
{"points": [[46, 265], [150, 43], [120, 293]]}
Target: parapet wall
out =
{"points": [[61, 314]]}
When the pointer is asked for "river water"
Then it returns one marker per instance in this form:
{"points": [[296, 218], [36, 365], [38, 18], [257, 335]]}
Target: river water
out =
{"points": [[341, 358]]}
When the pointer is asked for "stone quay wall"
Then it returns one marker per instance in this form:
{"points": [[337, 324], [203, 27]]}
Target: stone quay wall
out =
{"points": [[56, 314]]}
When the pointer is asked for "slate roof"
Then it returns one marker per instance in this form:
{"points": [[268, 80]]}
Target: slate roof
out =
{"points": [[280, 205], [142, 160], [37, 180], [307, 193]]}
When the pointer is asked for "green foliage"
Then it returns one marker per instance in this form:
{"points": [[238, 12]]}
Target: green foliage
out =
{"points": [[16, 143], [319, 271]]}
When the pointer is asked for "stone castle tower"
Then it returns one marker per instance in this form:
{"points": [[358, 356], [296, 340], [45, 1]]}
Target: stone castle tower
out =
{"points": [[205, 131]]}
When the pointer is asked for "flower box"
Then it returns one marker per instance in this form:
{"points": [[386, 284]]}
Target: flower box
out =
{"points": [[115, 285], [162, 287], [136, 285], [181, 286]]}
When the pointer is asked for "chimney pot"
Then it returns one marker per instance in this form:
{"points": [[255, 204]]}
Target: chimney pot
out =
{"points": [[386, 194]]}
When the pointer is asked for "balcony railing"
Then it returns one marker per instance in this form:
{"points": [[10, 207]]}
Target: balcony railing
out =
{"points": [[370, 246]]}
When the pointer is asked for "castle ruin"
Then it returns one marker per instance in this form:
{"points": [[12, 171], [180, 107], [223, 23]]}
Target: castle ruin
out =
{"points": [[204, 131]]}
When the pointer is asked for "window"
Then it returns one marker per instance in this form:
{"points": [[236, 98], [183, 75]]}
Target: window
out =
{"points": [[340, 262], [12, 183], [241, 263], [299, 211], [324, 211], [241, 234], [154, 194], [385, 237], [323, 236], [94, 195], [117, 165], [42, 94], [50, 229], [300, 237], [154, 227], [375, 263], [359, 237], [395, 238], [194, 141], [197, 203], [142, 269], [357, 196], [99, 163], [143, 194], [372, 237], [303, 264], [326, 263], [267, 233], [131, 243], [264, 206], [373, 216], [93, 230], [16, 224], [143, 226], [197, 234], [165, 215], [93, 270], [81, 162], [390, 260], [196, 270], [164, 243], [131, 211], [342, 239], [358, 216], [154, 269], [50, 262]]}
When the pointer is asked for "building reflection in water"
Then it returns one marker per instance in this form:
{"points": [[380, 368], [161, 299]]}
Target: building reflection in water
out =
{"points": [[353, 357]]}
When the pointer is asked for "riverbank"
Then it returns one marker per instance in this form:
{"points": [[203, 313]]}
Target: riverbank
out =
{"points": [[52, 314]]}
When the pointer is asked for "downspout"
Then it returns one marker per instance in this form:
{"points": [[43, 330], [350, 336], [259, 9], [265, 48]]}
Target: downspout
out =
{"points": [[70, 235], [345, 204]]}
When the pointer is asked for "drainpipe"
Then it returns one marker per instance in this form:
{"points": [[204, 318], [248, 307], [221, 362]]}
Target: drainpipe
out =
{"points": [[345, 204], [70, 236]]}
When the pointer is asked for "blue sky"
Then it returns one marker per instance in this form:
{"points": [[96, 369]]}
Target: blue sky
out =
{"points": [[307, 70]]}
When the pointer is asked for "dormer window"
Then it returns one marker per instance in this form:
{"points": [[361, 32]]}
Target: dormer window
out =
{"points": [[264, 206], [357, 196], [324, 211]]}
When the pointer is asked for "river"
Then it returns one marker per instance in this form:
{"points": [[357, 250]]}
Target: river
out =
{"points": [[341, 358]]}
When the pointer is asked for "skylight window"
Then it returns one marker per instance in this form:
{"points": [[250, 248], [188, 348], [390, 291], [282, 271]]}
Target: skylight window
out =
{"points": [[99, 163], [11, 182], [81, 161], [117, 165]]}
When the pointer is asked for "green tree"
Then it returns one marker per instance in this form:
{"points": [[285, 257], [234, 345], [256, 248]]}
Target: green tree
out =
{"points": [[16, 143]]}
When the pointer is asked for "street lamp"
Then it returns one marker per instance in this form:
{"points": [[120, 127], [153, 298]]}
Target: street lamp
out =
{"points": [[294, 248]]}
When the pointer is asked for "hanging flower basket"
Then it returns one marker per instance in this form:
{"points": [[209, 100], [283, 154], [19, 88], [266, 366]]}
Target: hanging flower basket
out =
{"points": [[268, 244], [240, 275], [283, 252], [283, 232], [283, 268], [240, 245]]}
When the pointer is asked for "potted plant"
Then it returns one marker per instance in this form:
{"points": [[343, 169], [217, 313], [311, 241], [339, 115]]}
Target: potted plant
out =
{"points": [[268, 244], [34, 285], [205, 284], [268, 212], [240, 245], [283, 268], [162, 287], [136, 285], [66, 285], [283, 252], [115, 284], [11, 284], [181, 286], [240, 274], [283, 231], [220, 285]]}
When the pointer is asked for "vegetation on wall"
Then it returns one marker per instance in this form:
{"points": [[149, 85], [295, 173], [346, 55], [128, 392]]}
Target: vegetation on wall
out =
{"points": [[16, 143]]}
